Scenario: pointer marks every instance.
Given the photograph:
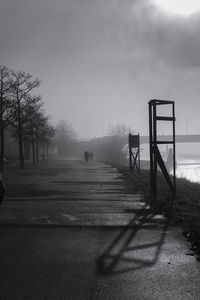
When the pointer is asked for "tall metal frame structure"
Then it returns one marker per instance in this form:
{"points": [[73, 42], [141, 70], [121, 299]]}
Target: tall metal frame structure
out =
{"points": [[155, 156], [134, 158]]}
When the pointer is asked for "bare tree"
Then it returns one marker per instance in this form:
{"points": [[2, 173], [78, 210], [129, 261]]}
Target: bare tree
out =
{"points": [[120, 130], [4, 105], [113, 148], [47, 132], [41, 131], [33, 121], [22, 84], [64, 135], [41, 128]]}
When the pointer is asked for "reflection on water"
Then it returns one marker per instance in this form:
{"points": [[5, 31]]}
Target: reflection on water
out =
{"points": [[188, 161], [187, 158], [190, 171]]}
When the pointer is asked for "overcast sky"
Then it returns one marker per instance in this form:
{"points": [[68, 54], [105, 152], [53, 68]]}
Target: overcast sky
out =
{"points": [[101, 61]]}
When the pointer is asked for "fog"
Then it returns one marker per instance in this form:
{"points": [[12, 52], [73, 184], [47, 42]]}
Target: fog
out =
{"points": [[100, 62]]}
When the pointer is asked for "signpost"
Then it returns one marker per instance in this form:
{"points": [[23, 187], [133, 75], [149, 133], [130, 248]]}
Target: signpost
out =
{"points": [[134, 152]]}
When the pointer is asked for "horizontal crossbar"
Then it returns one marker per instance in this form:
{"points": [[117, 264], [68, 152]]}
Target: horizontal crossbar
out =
{"points": [[160, 102], [161, 118], [163, 142]]}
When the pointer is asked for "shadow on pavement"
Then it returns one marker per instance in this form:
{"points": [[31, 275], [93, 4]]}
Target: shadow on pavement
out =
{"points": [[127, 252]]}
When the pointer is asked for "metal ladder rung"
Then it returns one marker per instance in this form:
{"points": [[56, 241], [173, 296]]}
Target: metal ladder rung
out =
{"points": [[161, 118]]}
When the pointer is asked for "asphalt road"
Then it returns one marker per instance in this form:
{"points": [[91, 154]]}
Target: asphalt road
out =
{"points": [[89, 253]]}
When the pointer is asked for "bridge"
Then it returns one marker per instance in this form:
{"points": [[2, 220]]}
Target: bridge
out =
{"points": [[144, 139], [193, 138], [97, 145]]}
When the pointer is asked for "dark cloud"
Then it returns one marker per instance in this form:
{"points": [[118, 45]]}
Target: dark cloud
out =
{"points": [[103, 60]]}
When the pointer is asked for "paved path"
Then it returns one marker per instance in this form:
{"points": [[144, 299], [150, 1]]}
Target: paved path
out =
{"points": [[50, 255], [68, 193]]}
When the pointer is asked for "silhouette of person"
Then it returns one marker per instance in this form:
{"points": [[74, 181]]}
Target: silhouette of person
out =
{"points": [[91, 156], [86, 156]]}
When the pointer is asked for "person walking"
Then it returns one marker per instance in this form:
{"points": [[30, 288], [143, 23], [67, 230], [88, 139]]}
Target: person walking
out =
{"points": [[86, 156], [91, 156]]}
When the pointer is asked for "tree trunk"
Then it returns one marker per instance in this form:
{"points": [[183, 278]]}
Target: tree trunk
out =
{"points": [[43, 151], [20, 139], [37, 150], [21, 154], [1, 134], [47, 150], [2, 147], [33, 148], [27, 149]]}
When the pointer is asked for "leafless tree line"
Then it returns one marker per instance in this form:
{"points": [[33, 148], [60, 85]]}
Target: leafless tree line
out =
{"points": [[23, 112]]}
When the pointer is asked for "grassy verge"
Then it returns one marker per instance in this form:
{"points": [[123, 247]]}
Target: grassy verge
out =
{"points": [[183, 210]]}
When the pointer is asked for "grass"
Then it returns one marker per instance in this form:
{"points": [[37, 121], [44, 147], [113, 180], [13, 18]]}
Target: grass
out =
{"points": [[183, 210]]}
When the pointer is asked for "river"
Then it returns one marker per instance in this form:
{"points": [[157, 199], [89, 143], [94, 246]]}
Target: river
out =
{"points": [[187, 159]]}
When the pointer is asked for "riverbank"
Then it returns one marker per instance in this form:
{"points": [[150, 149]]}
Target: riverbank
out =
{"points": [[183, 210]]}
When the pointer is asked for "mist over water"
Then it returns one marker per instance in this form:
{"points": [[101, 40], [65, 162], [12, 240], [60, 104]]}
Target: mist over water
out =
{"points": [[188, 161], [187, 158]]}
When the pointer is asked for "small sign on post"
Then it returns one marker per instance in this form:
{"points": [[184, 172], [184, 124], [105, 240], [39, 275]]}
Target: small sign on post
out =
{"points": [[134, 152]]}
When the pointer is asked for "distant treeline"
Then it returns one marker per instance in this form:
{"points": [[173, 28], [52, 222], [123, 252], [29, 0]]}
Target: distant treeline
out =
{"points": [[112, 148], [23, 119]]}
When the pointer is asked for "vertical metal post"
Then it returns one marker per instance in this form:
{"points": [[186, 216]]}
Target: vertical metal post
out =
{"points": [[139, 151], [150, 145], [154, 152], [130, 152], [174, 149]]}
